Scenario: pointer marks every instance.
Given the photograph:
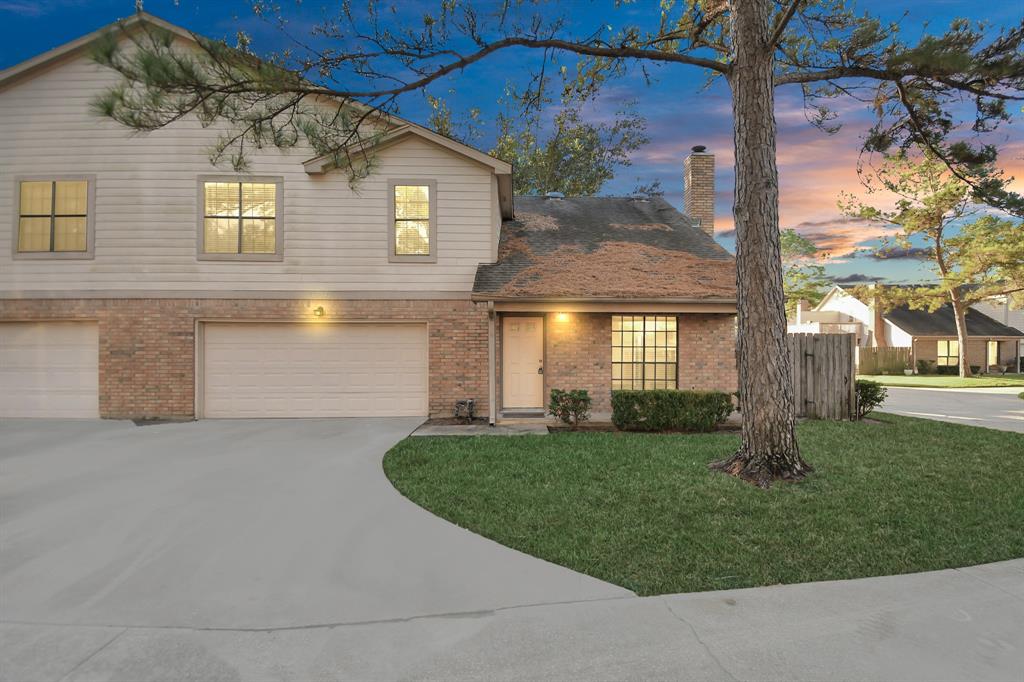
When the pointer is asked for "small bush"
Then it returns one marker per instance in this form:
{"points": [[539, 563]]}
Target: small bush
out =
{"points": [[975, 369], [948, 369], [870, 394], [572, 407], [667, 410], [1021, 395], [924, 366]]}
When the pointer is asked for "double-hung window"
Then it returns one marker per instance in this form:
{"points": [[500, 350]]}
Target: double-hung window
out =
{"points": [[948, 354], [412, 217], [644, 352], [241, 219], [54, 218]]}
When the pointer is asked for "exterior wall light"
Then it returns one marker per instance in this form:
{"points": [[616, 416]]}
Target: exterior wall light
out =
{"points": [[562, 317], [318, 311]]}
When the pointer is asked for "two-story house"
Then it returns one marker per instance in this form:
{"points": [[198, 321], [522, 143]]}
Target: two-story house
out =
{"points": [[140, 281]]}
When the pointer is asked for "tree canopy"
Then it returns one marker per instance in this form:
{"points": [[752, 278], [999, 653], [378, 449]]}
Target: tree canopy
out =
{"points": [[974, 256], [803, 277]]}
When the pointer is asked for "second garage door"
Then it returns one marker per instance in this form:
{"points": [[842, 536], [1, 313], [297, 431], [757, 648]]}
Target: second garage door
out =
{"points": [[314, 370]]}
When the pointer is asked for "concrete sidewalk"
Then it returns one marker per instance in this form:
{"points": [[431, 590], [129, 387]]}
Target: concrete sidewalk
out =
{"points": [[965, 624]]}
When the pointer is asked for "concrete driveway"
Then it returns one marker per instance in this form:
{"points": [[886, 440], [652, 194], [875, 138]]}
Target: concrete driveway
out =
{"points": [[238, 524], [277, 550], [993, 408]]}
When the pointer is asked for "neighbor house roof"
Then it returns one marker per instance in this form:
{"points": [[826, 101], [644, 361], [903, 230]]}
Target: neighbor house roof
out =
{"points": [[612, 248], [943, 323]]}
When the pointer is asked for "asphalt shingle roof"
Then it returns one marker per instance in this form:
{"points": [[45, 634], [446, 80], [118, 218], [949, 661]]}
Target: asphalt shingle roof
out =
{"points": [[943, 323], [605, 247]]}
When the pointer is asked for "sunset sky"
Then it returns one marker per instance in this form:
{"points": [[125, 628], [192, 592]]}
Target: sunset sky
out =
{"points": [[814, 167]]}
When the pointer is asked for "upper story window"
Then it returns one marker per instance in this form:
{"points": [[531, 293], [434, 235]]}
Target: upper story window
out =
{"points": [[241, 219], [54, 218], [644, 352], [412, 210], [948, 354]]}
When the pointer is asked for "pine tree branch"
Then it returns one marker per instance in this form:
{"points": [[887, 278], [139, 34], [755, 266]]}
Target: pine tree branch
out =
{"points": [[783, 22]]}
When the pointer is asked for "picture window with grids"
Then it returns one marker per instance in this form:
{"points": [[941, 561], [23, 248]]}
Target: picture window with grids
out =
{"points": [[241, 219], [948, 354], [54, 217], [644, 352], [413, 221]]}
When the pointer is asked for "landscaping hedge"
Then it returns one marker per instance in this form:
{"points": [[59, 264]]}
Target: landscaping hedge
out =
{"points": [[665, 410]]}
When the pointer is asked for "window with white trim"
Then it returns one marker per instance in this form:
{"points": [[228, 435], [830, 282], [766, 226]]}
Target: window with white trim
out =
{"points": [[948, 354], [53, 216], [644, 352]]}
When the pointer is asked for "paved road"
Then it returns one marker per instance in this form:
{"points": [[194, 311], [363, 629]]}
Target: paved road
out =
{"points": [[994, 408], [276, 550]]}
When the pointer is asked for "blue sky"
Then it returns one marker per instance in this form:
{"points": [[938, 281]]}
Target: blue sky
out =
{"points": [[813, 167]]}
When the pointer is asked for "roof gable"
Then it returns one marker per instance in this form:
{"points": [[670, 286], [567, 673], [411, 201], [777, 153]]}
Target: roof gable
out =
{"points": [[400, 127]]}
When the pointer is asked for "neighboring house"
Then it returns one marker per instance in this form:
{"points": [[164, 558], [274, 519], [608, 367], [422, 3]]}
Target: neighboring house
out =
{"points": [[1002, 309], [931, 335], [141, 282]]}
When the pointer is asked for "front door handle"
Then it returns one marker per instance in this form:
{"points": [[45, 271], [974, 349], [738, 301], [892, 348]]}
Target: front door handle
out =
{"points": [[540, 370]]}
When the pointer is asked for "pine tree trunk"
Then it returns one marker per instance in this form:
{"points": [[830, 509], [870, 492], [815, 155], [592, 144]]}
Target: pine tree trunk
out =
{"points": [[960, 315], [769, 449]]}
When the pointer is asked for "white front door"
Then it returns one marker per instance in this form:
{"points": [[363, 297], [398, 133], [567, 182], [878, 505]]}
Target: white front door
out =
{"points": [[522, 376]]}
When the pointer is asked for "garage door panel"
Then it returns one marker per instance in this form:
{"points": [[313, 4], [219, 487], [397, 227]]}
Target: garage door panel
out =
{"points": [[315, 370], [49, 369]]}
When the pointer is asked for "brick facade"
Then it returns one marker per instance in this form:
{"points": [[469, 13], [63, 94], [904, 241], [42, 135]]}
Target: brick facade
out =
{"points": [[147, 346], [578, 354]]}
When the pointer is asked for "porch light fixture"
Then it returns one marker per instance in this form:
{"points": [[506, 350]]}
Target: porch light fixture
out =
{"points": [[318, 311], [562, 317]]}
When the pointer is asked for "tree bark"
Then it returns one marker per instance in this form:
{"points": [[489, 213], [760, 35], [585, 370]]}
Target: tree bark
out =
{"points": [[960, 315], [769, 448]]}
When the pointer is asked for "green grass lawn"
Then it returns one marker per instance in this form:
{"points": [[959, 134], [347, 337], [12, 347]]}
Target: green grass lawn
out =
{"points": [[644, 512], [947, 381]]}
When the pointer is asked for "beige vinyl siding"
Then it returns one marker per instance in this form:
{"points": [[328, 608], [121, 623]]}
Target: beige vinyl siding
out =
{"points": [[335, 239]]}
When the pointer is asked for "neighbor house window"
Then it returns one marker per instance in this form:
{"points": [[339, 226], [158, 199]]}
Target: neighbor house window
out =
{"points": [[948, 354], [412, 214], [54, 218], [993, 353], [241, 219], [644, 349]]}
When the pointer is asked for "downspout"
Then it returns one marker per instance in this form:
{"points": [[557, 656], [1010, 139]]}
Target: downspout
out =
{"points": [[492, 409]]}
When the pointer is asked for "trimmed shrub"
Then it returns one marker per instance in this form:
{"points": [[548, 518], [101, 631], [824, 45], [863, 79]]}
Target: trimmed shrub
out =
{"points": [[870, 394], [668, 410], [1021, 395], [924, 366], [572, 407]]}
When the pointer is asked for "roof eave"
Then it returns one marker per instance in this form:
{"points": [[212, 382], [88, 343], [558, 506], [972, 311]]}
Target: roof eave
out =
{"points": [[600, 299], [33, 65]]}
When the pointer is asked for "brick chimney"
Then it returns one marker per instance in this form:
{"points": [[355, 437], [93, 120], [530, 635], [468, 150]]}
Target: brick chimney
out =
{"points": [[699, 188]]}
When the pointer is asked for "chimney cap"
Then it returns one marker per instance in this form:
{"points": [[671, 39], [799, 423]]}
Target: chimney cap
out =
{"points": [[699, 149]]}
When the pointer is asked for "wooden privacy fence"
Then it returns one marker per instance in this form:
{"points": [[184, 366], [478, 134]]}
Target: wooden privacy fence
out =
{"points": [[823, 375], [883, 360]]}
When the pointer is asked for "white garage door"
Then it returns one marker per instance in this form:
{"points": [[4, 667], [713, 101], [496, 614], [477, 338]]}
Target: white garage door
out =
{"points": [[49, 369], [314, 370]]}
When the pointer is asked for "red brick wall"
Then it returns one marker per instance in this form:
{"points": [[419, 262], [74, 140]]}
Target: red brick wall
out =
{"points": [[147, 346], [578, 354], [707, 352]]}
